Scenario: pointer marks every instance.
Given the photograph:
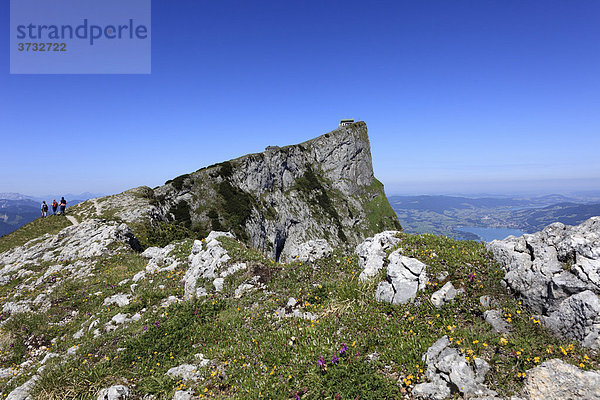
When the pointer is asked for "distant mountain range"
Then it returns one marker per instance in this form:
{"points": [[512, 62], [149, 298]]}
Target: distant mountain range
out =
{"points": [[17, 209], [446, 215], [80, 197]]}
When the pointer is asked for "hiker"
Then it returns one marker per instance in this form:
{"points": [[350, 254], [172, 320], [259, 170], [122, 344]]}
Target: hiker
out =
{"points": [[54, 206], [63, 205], [44, 209]]}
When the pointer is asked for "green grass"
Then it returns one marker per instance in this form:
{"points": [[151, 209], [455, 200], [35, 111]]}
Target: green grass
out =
{"points": [[51, 224], [255, 354]]}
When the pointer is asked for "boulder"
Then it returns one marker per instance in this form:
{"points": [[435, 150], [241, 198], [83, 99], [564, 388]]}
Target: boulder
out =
{"points": [[444, 295], [312, 250], [496, 320], [448, 372], [184, 395], [578, 318], [371, 253], [205, 262], [187, 372], [120, 300], [405, 276], [557, 380], [117, 392]]}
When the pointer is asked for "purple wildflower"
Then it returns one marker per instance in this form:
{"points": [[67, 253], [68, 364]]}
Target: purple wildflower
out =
{"points": [[156, 323], [334, 360], [343, 349], [471, 277], [321, 362]]}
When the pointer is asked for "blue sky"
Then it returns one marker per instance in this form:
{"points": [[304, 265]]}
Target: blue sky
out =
{"points": [[459, 96]]}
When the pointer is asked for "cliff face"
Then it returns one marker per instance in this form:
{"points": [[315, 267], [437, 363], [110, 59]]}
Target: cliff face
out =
{"points": [[283, 197]]}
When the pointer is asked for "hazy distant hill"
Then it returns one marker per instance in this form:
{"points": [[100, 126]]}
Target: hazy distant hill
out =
{"points": [[567, 213], [16, 213], [445, 215], [17, 210]]}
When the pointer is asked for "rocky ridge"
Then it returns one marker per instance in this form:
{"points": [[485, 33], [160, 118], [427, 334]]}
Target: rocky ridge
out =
{"points": [[274, 201]]}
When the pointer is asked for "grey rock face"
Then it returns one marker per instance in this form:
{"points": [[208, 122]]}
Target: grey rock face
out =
{"points": [[556, 272], [578, 317], [89, 239], [321, 188], [448, 372], [405, 276], [117, 392], [312, 250], [557, 380], [22, 392], [371, 253]]}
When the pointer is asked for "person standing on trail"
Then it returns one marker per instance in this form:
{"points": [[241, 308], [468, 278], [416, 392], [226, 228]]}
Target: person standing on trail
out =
{"points": [[54, 206], [44, 209], [63, 205]]}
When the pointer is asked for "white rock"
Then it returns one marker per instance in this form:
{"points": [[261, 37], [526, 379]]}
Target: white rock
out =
{"points": [[444, 295], [218, 283], [243, 288], [311, 251], [118, 299], [183, 395], [117, 392], [371, 253], [187, 372]]}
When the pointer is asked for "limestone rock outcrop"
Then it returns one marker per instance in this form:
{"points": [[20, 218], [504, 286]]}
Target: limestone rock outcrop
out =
{"points": [[556, 272], [449, 372], [556, 380], [405, 277]]}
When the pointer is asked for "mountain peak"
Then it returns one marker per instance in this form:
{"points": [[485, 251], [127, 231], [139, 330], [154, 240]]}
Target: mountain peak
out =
{"points": [[274, 201]]}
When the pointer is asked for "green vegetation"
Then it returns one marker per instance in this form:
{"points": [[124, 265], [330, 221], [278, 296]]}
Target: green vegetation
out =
{"points": [[178, 183], [161, 234], [237, 205], [379, 212], [51, 224], [355, 346], [181, 213]]}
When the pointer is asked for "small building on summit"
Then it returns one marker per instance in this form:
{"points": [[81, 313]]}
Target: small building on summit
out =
{"points": [[346, 122]]}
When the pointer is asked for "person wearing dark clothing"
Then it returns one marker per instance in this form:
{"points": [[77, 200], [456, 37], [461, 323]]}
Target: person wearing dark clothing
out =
{"points": [[44, 209], [62, 205], [54, 206]]}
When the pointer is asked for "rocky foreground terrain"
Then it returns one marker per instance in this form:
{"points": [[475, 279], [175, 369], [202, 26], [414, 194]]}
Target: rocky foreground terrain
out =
{"points": [[88, 314]]}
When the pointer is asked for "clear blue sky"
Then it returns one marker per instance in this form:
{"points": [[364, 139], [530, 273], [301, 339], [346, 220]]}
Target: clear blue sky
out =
{"points": [[459, 96]]}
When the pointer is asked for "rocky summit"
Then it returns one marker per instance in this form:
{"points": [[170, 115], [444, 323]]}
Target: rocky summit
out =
{"points": [[273, 201]]}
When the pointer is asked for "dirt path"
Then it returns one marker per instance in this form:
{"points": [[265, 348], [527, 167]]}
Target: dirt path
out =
{"points": [[72, 219], [96, 206]]}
